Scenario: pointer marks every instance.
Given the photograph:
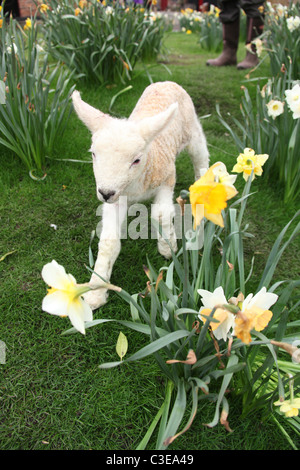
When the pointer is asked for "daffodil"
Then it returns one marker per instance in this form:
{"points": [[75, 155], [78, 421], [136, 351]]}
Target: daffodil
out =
{"points": [[248, 161], [209, 197], [210, 300], [258, 46], [64, 298], [82, 3], [44, 8], [293, 100], [28, 24], [254, 314], [222, 175], [293, 23], [293, 95], [289, 407], [275, 108]]}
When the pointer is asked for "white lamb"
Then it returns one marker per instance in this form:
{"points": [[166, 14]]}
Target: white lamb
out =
{"points": [[135, 158]]}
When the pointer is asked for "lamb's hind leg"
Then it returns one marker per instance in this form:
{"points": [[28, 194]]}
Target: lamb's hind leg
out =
{"points": [[198, 150]]}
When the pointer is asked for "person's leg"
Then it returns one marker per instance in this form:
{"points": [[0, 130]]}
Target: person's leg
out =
{"points": [[230, 19], [255, 24]]}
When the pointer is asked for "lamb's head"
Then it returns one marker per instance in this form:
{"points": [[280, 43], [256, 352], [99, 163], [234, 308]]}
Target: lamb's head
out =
{"points": [[119, 146]]}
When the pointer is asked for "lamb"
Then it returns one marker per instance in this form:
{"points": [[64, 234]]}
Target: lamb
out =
{"points": [[134, 161]]}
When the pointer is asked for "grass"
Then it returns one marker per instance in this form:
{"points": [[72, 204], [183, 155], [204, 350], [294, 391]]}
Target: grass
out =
{"points": [[52, 393]]}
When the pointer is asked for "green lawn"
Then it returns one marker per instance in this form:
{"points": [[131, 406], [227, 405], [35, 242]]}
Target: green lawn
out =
{"points": [[52, 393]]}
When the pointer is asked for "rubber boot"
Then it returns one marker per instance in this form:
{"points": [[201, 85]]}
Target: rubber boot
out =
{"points": [[231, 32], [254, 29]]}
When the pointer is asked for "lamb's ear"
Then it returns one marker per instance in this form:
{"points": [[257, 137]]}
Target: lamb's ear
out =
{"points": [[91, 117], [150, 127]]}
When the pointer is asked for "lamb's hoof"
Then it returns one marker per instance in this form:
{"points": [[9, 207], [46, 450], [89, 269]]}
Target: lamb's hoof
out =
{"points": [[96, 298], [165, 250]]}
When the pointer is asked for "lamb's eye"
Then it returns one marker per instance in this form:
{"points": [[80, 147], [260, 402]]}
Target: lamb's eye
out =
{"points": [[136, 161]]}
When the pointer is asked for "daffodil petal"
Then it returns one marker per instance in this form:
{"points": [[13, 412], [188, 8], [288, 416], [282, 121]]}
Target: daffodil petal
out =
{"points": [[221, 329], [262, 320], [56, 303], [209, 176], [55, 275], [263, 299], [78, 314], [211, 299], [217, 219], [230, 191]]}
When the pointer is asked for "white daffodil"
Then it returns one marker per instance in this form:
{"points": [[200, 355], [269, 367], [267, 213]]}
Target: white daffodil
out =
{"points": [[225, 318], [281, 10], [222, 175], [293, 95], [258, 47], [275, 108], [296, 110], [293, 23], [64, 297], [293, 100], [11, 48], [262, 299]]}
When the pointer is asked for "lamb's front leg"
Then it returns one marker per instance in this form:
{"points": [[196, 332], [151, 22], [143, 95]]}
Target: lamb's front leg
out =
{"points": [[163, 212], [108, 250]]}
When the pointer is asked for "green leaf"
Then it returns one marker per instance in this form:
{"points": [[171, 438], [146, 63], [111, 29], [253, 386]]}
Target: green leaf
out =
{"points": [[122, 345], [176, 414], [7, 254], [232, 361], [150, 348]]}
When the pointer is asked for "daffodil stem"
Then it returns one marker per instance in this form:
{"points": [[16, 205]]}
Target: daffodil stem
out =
{"points": [[186, 269], [291, 385]]}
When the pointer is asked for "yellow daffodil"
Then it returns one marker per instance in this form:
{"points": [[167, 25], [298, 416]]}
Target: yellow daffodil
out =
{"points": [[82, 3], [208, 197], [289, 407], [44, 8], [77, 11], [225, 318], [254, 314], [189, 31], [28, 24], [64, 298], [248, 161]]}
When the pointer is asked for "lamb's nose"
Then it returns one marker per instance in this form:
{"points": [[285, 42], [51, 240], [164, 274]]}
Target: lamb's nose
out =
{"points": [[106, 196]]}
